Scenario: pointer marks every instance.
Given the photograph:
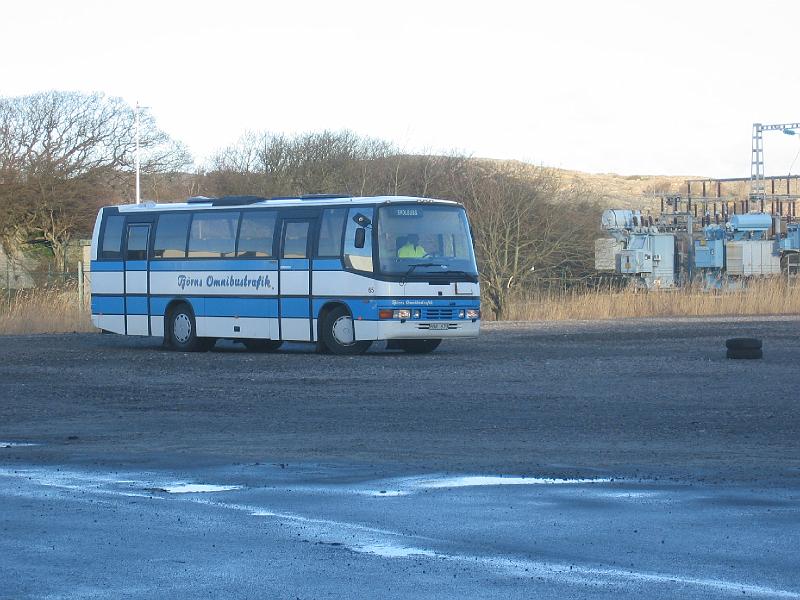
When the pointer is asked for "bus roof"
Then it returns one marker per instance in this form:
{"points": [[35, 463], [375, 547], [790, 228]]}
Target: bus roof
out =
{"points": [[255, 201]]}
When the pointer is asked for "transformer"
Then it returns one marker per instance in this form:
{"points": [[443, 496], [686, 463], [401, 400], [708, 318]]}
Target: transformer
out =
{"points": [[740, 249], [651, 258], [750, 258]]}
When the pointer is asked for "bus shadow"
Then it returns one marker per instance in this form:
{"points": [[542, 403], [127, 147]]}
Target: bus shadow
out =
{"points": [[231, 347]]}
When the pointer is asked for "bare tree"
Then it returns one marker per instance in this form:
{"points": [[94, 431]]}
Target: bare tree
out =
{"points": [[524, 231], [62, 153], [323, 162]]}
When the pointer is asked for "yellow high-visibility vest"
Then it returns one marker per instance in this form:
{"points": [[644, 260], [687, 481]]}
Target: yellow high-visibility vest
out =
{"points": [[411, 251]]}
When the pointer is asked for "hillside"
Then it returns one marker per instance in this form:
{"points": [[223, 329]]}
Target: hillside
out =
{"points": [[612, 190]]}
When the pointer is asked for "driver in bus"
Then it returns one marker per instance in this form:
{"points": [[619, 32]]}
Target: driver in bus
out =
{"points": [[411, 249]]}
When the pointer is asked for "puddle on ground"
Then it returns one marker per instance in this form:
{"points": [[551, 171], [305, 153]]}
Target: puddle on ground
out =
{"points": [[392, 551], [383, 493], [394, 488], [196, 488], [629, 495], [486, 480]]}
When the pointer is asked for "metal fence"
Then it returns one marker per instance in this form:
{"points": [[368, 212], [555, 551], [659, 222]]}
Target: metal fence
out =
{"points": [[26, 276]]}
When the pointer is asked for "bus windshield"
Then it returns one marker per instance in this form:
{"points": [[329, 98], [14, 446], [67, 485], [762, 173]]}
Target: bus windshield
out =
{"points": [[424, 239]]}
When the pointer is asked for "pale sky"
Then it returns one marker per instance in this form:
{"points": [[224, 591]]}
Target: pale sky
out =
{"points": [[668, 87]]}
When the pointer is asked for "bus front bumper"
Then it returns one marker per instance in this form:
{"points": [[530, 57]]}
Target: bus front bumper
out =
{"points": [[413, 329]]}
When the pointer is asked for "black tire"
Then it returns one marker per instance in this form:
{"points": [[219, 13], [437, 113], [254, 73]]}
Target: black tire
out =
{"points": [[745, 354], [334, 331], [743, 344], [182, 331], [417, 346], [262, 345]]}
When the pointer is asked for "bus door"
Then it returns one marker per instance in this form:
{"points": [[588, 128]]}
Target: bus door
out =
{"points": [[137, 303], [294, 278]]}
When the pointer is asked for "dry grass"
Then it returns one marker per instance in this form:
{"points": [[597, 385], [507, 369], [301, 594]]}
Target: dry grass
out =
{"points": [[44, 310], [768, 297]]}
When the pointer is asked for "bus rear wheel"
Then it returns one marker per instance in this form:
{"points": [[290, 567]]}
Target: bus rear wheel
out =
{"points": [[417, 346], [262, 345], [182, 334], [338, 333]]}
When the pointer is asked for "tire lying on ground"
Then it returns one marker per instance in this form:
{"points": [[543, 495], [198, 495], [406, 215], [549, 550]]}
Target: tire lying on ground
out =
{"points": [[747, 353], [743, 344]]}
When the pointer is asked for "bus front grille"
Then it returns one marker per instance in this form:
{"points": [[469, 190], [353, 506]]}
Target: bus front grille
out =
{"points": [[438, 313]]}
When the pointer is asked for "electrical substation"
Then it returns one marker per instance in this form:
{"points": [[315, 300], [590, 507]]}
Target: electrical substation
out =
{"points": [[709, 236]]}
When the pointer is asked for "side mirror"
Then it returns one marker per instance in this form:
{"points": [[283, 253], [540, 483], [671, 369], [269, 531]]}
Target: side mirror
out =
{"points": [[361, 237], [362, 220]]}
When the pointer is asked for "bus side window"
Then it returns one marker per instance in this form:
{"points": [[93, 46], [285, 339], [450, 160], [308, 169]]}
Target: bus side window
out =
{"points": [[112, 238], [213, 235], [295, 239], [256, 234], [330, 232], [359, 259], [171, 233], [137, 242]]}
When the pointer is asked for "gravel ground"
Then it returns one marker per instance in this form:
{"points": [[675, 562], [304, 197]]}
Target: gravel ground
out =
{"points": [[638, 398]]}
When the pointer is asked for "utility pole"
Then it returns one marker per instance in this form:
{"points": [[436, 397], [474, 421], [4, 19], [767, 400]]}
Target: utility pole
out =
{"points": [[757, 190], [136, 158], [137, 161]]}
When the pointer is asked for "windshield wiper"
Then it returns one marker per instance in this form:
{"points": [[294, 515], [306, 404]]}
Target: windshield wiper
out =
{"points": [[446, 273], [414, 266], [469, 276]]}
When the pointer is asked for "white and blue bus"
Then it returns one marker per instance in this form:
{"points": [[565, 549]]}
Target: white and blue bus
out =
{"points": [[338, 271]]}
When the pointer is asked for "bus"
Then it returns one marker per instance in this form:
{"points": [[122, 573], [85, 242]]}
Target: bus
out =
{"points": [[338, 271]]}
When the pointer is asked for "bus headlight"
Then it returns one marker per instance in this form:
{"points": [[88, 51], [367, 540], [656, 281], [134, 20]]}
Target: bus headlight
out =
{"points": [[473, 313], [402, 314]]}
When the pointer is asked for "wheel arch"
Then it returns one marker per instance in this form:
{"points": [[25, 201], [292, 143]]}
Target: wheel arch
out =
{"points": [[172, 305], [327, 309]]}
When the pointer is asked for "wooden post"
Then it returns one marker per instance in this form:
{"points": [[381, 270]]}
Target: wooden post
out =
{"points": [[80, 286]]}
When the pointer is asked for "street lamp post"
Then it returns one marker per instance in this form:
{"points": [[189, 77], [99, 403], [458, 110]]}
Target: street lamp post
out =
{"points": [[136, 156], [137, 163]]}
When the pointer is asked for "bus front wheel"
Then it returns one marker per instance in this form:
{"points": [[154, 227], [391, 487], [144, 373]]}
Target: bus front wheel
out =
{"points": [[338, 333], [183, 331], [417, 346]]}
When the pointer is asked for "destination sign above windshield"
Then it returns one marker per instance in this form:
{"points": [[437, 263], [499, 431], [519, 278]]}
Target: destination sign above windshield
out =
{"points": [[406, 212]]}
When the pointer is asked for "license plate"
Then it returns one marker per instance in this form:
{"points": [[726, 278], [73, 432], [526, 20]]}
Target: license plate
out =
{"points": [[438, 325]]}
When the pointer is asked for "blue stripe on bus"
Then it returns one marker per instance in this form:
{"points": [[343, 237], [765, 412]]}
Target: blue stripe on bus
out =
{"points": [[158, 305], [210, 306], [242, 307], [295, 264], [327, 264], [108, 305], [400, 302], [230, 306], [136, 305], [366, 308], [136, 265], [106, 265], [360, 309], [223, 264], [294, 307]]}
